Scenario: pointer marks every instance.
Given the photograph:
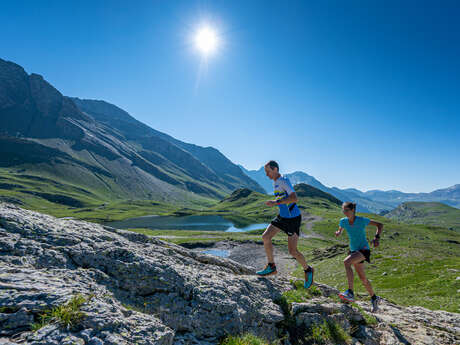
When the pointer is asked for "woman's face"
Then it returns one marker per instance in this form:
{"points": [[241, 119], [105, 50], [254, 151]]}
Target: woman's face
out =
{"points": [[347, 211]]}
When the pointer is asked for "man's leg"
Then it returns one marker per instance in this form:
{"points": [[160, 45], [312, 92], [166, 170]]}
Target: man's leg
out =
{"points": [[359, 267], [350, 260], [267, 236], [292, 246]]}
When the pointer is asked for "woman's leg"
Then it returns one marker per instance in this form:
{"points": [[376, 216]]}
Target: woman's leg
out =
{"points": [[359, 267], [350, 260]]}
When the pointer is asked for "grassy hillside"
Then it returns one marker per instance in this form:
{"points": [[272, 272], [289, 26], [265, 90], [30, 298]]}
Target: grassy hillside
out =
{"points": [[305, 190], [414, 265], [429, 213], [62, 199]]}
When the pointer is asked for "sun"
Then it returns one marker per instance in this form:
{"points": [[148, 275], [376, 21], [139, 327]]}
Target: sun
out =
{"points": [[206, 40]]}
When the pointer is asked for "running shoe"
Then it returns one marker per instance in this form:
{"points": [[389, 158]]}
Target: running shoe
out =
{"points": [[308, 277], [375, 303], [347, 296], [268, 270]]}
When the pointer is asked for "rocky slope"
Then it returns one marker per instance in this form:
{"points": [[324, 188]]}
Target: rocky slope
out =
{"points": [[229, 175], [141, 290]]}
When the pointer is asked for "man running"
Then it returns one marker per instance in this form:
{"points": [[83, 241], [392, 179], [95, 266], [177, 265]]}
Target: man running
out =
{"points": [[288, 220], [359, 250]]}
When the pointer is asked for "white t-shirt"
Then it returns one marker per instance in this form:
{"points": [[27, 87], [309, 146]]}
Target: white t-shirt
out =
{"points": [[282, 188]]}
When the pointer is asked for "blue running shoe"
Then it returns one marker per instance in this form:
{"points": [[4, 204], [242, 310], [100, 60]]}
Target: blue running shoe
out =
{"points": [[268, 270], [308, 277], [375, 303], [347, 296]]}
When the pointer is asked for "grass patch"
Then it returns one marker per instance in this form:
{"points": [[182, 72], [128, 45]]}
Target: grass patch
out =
{"points": [[8, 310], [134, 308], [67, 315], [245, 339], [328, 331], [369, 319], [299, 294]]}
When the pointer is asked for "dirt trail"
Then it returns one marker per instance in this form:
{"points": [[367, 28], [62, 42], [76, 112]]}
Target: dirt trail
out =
{"points": [[251, 253], [309, 220]]}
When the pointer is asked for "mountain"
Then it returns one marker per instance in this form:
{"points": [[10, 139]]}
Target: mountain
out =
{"points": [[260, 177], [99, 150], [373, 201], [429, 213], [230, 174], [305, 190], [449, 196]]}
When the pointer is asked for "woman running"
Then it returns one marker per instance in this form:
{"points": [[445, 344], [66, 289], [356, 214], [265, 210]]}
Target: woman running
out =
{"points": [[359, 250]]}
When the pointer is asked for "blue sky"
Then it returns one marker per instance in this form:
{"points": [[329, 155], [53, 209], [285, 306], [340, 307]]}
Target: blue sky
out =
{"points": [[360, 94]]}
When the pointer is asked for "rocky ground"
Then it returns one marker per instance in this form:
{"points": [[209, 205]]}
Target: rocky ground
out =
{"points": [[251, 254], [142, 290]]}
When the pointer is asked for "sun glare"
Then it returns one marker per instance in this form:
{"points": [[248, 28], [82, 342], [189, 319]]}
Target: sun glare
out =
{"points": [[206, 40]]}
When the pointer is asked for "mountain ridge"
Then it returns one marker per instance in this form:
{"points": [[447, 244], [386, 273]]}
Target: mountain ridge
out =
{"points": [[372, 201]]}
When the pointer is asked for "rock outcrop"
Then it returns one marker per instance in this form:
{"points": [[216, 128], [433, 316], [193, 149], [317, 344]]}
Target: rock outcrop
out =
{"points": [[142, 290], [145, 291], [391, 325]]}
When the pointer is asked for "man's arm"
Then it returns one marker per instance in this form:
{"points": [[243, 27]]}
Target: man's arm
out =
{"points": [[287, 200]]}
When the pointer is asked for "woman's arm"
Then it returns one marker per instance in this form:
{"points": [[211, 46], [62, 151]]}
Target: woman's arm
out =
{"points": [[338, 232], [376, 240]]}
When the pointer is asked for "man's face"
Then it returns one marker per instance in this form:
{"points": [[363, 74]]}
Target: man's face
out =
{"points": [[271, 173]]}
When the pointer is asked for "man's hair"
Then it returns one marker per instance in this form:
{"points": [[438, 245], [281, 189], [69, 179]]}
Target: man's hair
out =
{"points": [[273, 164]]}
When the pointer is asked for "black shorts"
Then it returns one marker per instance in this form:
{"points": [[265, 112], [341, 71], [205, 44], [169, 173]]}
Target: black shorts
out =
{"points": [[365, 252], [290, 226]]}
